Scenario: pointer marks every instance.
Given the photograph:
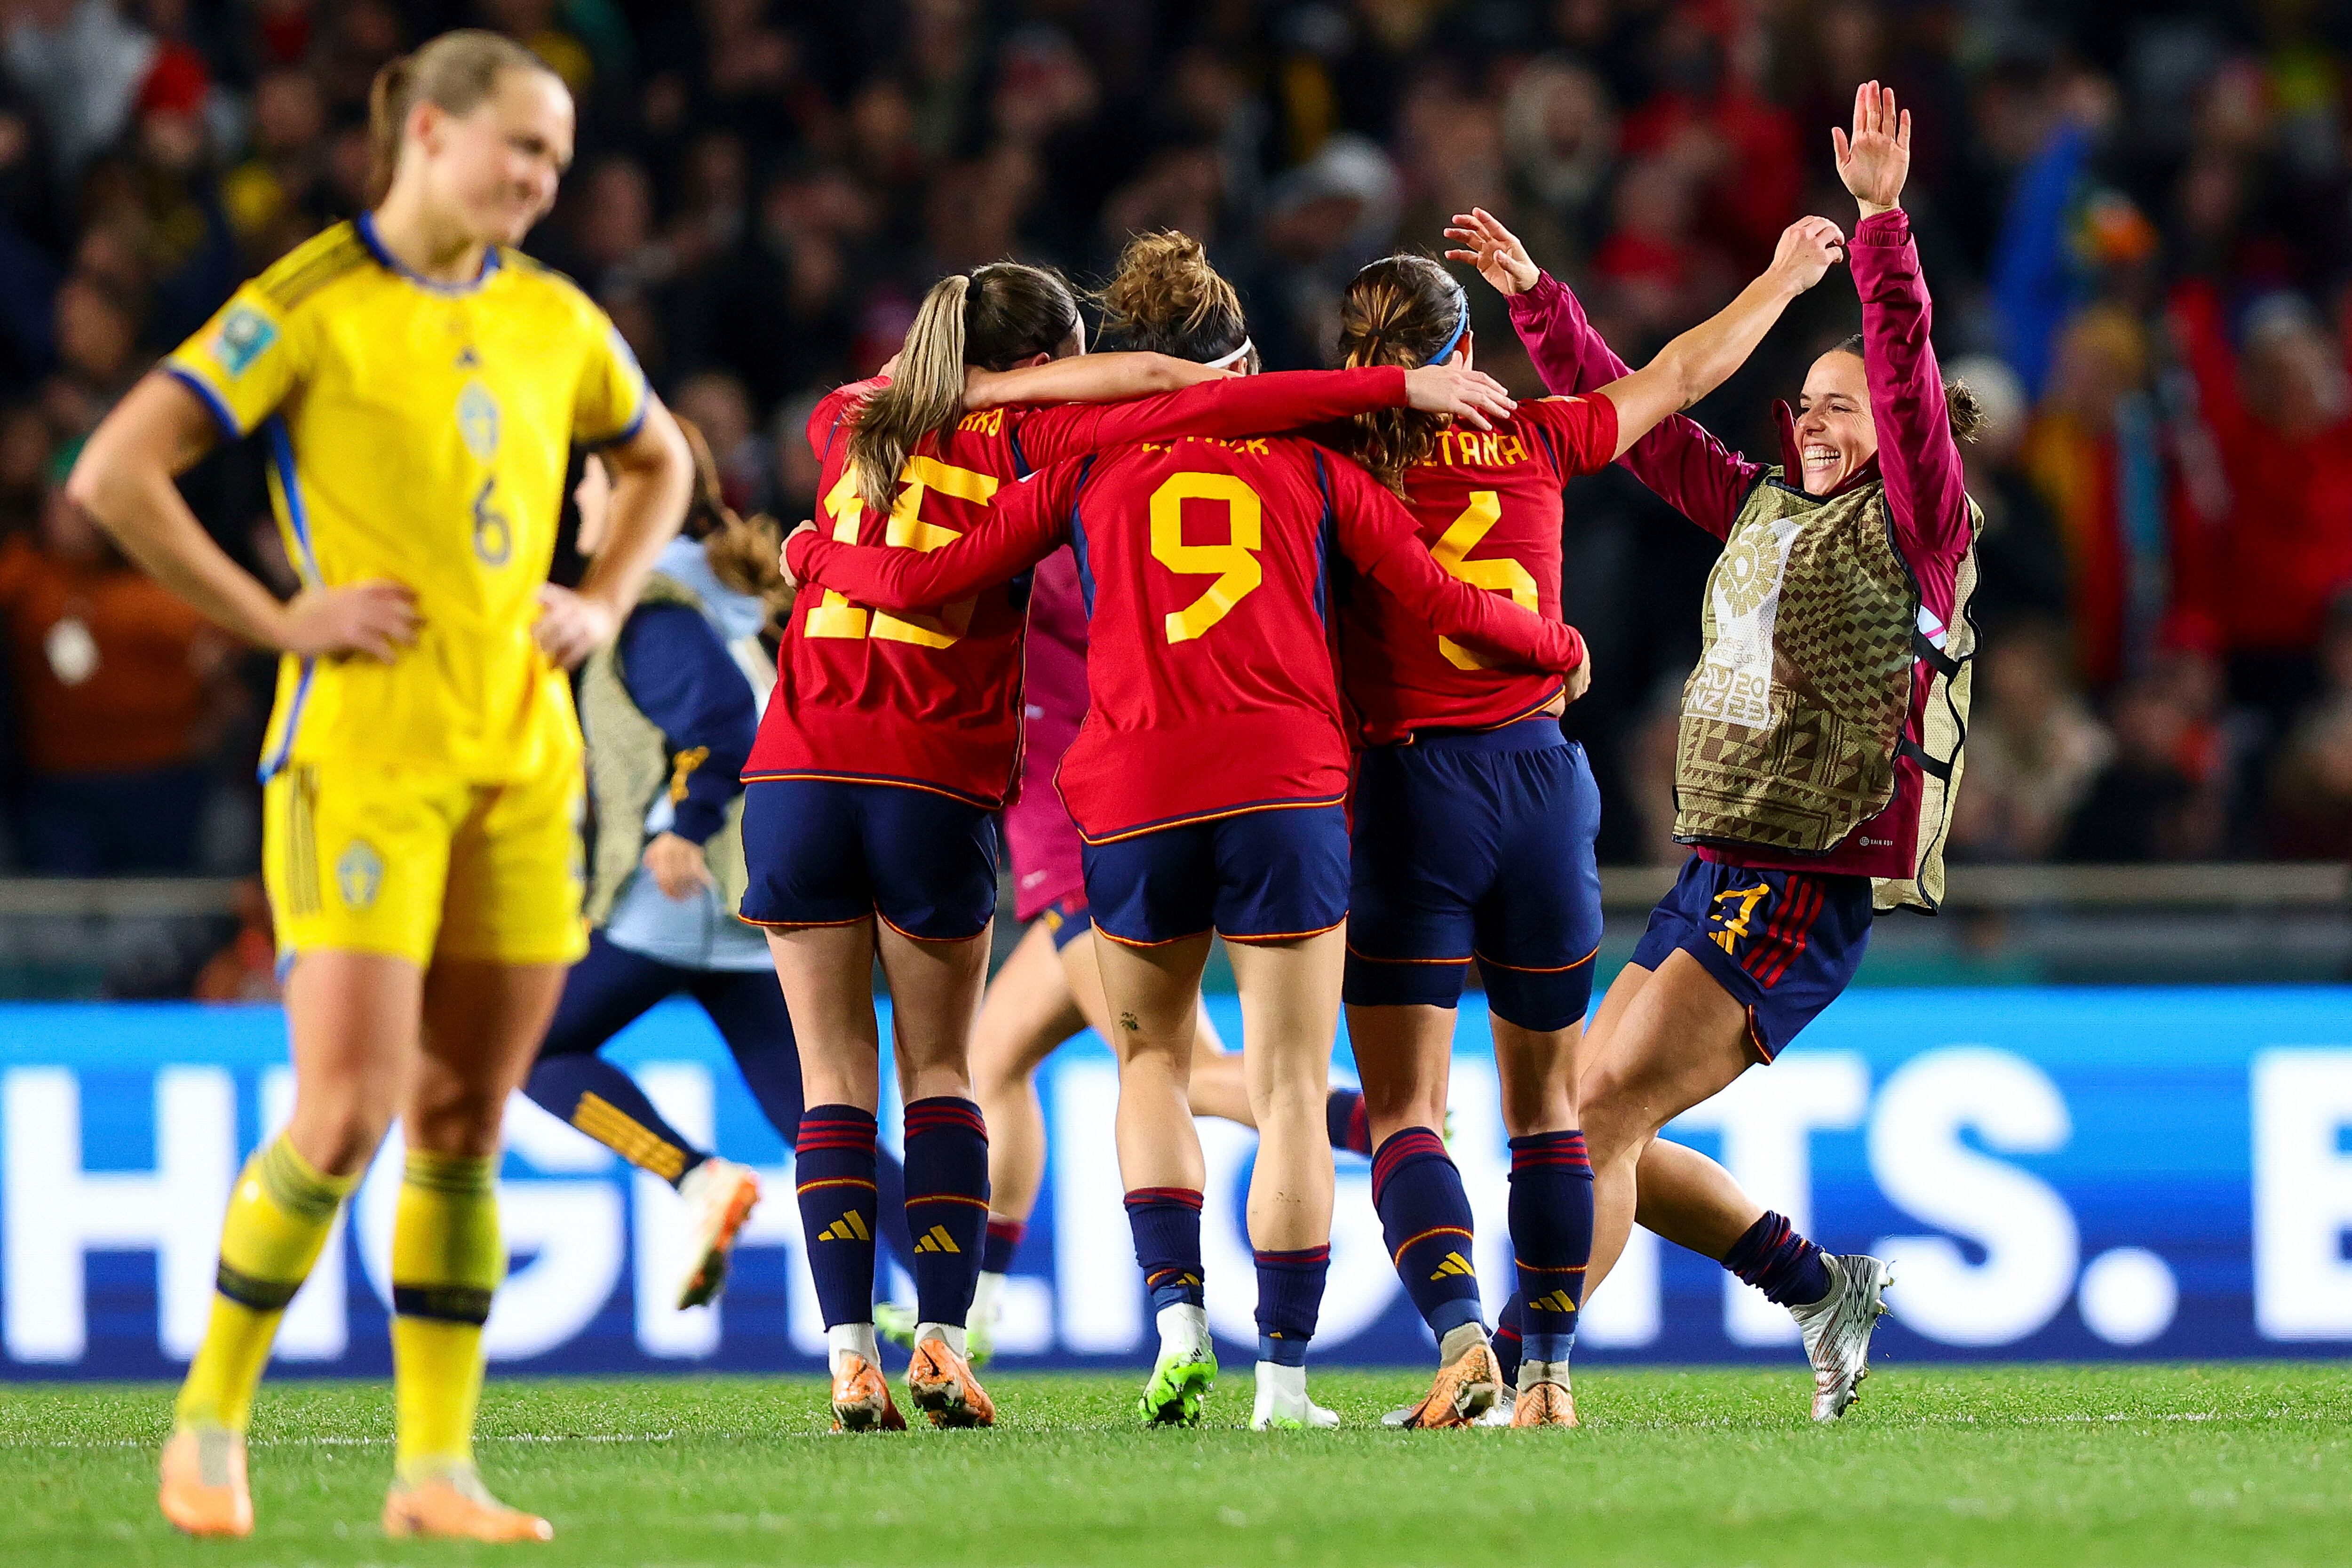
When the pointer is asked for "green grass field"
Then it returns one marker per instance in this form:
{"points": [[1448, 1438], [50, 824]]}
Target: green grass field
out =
{"points": [[2206, 1465]]}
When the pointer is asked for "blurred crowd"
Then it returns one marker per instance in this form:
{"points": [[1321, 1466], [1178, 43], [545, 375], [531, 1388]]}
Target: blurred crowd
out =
{"points": [[2136, 221]]}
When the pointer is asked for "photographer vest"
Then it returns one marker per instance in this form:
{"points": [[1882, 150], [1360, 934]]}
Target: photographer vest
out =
{"points": [[1793, 720]]}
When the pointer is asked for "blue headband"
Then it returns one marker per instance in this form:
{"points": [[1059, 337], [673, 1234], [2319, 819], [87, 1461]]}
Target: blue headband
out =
{"points": [[1461, 323]]}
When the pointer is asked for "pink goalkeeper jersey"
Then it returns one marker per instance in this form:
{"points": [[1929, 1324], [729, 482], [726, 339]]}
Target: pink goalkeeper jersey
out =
{"points": [[1039, 835]]}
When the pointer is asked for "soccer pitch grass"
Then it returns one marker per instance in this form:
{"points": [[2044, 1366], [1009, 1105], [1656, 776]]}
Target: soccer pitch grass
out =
{"points": [[2211, 1465]]}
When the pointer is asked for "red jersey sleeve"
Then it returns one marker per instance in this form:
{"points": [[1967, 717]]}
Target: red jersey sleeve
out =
{"points": [[1028, 523], [1236, 406], [829, 420], [1581, 431], [1379, 537]]}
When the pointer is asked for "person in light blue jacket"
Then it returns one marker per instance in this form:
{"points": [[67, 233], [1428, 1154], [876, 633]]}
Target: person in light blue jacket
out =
{"points": [[670, 709]]}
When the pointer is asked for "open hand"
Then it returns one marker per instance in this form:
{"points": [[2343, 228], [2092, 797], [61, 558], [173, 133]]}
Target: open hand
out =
{"points": [[571, 625], [1875, 162], [1470, 395], [1494, 250], [1808, 248], [377, 619]]}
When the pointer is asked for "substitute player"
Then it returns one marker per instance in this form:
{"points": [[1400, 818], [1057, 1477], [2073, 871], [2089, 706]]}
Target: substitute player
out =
{"points": [[1475, 819], [419, 385], [891, 741], [1820, 743], [1208, 782]]}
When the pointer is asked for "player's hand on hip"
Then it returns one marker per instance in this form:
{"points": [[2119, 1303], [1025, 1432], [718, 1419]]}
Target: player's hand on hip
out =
{"points": [[785, 555], [1470, 395], [376, 617], [1580, 680], [678, 866], [1494, 250], [571, 625]]}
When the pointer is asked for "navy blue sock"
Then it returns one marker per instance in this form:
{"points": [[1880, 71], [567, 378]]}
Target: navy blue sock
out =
{"points": [[1772, 1256], [947, 1204], [1426, 1215], [1290, 1299], [1507, 1341], [605, 1103], [1552, 1238], [1344, 1120], [1166, 1222], [833, 1162], [1003, 1244]]}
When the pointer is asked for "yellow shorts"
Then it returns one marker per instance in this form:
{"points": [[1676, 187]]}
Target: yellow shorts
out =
{"points": [[361, 856]]}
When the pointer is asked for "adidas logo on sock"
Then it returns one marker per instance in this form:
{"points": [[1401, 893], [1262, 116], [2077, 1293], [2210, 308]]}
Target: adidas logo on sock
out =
{"points": [[849, 1227], [937, 1239], [1556, 1301], [1454, 1265]]}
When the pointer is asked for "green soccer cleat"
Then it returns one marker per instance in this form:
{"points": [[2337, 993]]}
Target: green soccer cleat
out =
{"points": [[1186, 1371]]}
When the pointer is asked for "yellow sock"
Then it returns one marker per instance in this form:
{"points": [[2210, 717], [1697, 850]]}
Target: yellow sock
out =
{"points": [[446, 1260], [279, 1217]]}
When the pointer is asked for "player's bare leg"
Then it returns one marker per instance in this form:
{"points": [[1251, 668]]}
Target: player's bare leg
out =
{"points": [[827, 975], [353, 1020], [1290, 1019], [1153, 994], [935, 991], [482, 1025]]}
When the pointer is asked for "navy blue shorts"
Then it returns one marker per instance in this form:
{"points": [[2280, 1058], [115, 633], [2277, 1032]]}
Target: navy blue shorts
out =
{"points": [[1477, 844], [1262, 876], [1783, 943], [822, 852], [1067, 919]]}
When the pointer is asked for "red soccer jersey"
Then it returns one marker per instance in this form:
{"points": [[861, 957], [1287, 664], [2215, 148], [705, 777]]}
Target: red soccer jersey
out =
{"points": [[1208, 667], [1488, 505], [930, 698]]}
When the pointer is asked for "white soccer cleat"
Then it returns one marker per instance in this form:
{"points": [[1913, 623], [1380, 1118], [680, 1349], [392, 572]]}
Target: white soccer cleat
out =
{"points": [[722, 1194], [1282, 1403], [1837, 1331]]}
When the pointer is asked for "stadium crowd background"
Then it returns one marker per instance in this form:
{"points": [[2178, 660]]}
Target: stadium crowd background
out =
{"points": [[2136, 220]]}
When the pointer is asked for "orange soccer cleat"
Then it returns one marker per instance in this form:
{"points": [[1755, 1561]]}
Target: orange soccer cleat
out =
{"points": [[203, 1490], [1464, 1390], [861, 1398], [1545, 1404], [941, 1384], [455, 1506]]}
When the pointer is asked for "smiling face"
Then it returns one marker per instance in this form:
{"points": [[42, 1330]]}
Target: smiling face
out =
{"points": [[499, 165], [1835, 434]]}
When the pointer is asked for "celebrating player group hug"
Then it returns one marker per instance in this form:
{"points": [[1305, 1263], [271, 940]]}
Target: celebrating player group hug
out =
{"points": [[1273, 658]]}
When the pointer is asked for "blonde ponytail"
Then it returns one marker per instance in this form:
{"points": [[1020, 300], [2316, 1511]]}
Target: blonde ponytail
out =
{"points": [[925, 394]]}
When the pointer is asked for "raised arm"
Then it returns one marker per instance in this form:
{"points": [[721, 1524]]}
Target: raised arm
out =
{"points": [[1379, 537], [1240, 406], [1697, 362], [1028, 523], [1688, 467], [1926, 500]]}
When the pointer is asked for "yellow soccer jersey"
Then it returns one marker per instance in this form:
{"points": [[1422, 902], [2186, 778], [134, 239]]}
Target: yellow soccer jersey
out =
{"points": [[420, 432]]}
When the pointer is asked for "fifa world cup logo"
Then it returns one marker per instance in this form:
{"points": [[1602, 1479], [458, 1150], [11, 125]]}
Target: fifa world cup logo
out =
{"points": [[1734, 682]]}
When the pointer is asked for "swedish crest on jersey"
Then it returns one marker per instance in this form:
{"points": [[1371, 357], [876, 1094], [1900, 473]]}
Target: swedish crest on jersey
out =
{"points": [[359, 874], [478, 421], [244, 335]]}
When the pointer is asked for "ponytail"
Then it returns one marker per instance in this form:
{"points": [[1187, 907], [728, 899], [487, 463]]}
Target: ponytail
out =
{"points": [[925, 395], [1403, 311], [454, 72], [1003, 313], [744, 554]]}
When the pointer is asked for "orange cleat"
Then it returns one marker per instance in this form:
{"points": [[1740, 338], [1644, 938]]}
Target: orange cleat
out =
{"points": [[455, 1506], [203, 1490], [941, 1384], [1544, 1405], [722, 1195], [1462, 1392], [861, 1398]]}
